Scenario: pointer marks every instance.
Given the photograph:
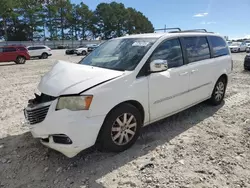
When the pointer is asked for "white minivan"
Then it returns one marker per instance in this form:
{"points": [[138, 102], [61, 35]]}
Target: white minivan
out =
{"points": [[125, 84]]}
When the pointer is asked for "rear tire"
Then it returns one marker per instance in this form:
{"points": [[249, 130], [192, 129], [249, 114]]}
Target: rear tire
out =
{"points": [[120, 129], [44, 56], [20, 60], [218, 92]]}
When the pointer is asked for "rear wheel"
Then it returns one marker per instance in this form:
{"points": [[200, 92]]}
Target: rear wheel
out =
{"points": [[44, 56], [219, 91], [20, 60], [120, 129]]}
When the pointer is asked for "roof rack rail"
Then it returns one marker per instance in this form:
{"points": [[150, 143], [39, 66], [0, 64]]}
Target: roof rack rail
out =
{"points": [[191, 30], [165, 29]]}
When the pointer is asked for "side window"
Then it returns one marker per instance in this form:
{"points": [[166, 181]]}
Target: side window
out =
{"points": [[197, 48], [30, 48], [9, 49], [21, 48], [219, 46], [169, 50]]}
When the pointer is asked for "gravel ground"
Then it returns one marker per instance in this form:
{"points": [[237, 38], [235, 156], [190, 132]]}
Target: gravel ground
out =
{"points": [[203, 146]]}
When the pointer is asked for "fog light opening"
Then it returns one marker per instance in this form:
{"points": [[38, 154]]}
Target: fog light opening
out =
{"points": [[61, 139]]}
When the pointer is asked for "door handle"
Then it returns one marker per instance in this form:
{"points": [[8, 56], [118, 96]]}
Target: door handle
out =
{"points": [[195, 70], [183, 73]]}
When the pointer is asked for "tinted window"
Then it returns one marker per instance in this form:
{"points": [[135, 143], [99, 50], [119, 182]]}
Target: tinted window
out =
{"points": [[9, 49], [169, 50], [219, 46], [21, 48], [197, 48]]}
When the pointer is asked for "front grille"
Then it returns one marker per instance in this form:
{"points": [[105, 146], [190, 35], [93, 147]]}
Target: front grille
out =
{"points": [[37, 114]]}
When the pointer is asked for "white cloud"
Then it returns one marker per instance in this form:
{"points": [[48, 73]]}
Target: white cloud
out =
{"points": [[207, 23], [200, 14]]}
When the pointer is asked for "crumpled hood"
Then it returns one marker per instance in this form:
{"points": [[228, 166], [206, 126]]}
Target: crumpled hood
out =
{"points": [[69, 78]]}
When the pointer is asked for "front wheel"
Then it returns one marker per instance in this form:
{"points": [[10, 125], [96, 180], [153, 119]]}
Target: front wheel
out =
{"points": [[20, 60], [120, 129], [84, 52], [219, 91]]}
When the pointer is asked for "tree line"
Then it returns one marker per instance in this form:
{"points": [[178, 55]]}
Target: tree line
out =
{"points": [[29, 20]]}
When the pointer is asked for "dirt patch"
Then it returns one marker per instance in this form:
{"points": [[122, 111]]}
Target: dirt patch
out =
{"points": [[201, 147]]}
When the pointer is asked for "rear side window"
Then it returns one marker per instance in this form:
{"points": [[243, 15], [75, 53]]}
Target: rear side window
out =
{"points": [[21, 49], [219, 46], [39, 47], [197, 48], [169, 50], [9, 49]]}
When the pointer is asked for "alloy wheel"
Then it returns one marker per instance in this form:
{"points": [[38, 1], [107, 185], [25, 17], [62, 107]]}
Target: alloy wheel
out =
{"points": [[123, 129], [219, 92]]}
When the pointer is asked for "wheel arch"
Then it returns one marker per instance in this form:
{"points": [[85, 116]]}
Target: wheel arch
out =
{"points": [[134, 103]]}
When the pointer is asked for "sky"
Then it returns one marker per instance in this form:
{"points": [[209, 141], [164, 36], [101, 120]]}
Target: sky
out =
{"points": [[226, 17]]}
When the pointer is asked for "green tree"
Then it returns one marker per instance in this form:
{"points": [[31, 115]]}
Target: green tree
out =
{"points": [[32, 18], [7, 16], [83, 17], [114, 20]]}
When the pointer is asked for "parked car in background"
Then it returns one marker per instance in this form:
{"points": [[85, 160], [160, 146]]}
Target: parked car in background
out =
{"points": [[248, 47], [73, 50], [237, 47], [17, 54], [63, 46], [125, 84], [83, 50], [40, 51], [247, 62], [92, 47]]}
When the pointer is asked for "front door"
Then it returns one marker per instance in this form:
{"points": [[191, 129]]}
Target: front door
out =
{"points": [[168, 89]]}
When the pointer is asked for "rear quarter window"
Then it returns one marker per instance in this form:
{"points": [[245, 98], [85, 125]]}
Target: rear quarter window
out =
{"points": [[21, 49], [219, 46]]}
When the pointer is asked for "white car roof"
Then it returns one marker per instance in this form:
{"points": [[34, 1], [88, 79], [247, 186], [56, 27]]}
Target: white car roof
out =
{"points": [[169, 35]]}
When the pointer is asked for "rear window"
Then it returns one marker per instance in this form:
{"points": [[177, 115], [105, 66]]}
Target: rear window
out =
{"points": [[197, 48], [219, 46], [9, 49]]}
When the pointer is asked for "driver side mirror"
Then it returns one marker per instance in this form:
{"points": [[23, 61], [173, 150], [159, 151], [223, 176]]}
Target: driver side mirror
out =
{"points": [[158, 65]]}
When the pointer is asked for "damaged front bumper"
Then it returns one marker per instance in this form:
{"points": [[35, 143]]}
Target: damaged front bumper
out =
{"points": [[68, 132]]}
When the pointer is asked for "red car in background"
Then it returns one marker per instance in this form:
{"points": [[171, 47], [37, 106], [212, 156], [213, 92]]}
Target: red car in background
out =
{"points": [[18, 54]]}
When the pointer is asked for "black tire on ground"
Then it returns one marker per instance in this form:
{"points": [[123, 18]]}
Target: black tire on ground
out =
{"points": [[84, 52], [219, 91], [20, 60], [115, 138], [44, 56]]}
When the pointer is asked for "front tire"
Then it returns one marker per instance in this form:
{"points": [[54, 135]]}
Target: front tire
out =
{"points": [[20, 60], [84, 52], [120, 129], [219, 91]]}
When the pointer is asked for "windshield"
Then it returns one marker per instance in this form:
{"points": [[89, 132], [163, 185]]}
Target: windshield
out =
{"points": [[119, 54]]}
